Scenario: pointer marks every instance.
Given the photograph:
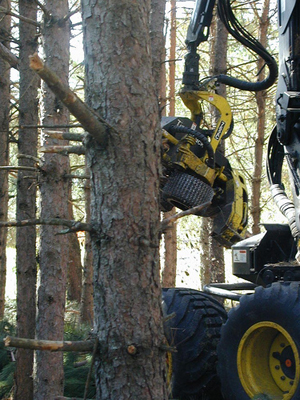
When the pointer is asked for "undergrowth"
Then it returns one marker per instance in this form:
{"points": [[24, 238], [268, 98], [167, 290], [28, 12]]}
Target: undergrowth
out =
{"points": [[76, 365]]}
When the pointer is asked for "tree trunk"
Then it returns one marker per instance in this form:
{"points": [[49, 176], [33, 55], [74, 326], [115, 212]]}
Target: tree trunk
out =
{"points": [[74, 262], [158, 50], [87, 300], [124, 201], [170, 237], [261, 122], [172, 57], [26, 203], [4, 148], [54, 196], [212, 252]]}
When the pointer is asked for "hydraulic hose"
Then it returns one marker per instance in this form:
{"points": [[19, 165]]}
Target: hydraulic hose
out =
{"points": [[274, 169], [198, 135], [243, 36], [286, 206]]}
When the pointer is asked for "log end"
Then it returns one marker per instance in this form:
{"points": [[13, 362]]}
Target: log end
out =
{"points": [[6, 341], [35, 62]]}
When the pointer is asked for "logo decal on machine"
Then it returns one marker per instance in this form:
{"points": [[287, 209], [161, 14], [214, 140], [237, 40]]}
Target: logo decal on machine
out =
{"points": [[220, 130]]}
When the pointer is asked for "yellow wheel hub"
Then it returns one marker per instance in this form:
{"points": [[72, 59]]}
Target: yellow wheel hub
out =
{"points": [[268, 362]]}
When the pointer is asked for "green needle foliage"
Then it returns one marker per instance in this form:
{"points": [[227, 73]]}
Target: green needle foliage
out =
{"points": [[76, 365]]}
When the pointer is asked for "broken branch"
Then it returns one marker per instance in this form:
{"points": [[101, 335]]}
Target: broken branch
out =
{"points": [[74, 176], [175, 217], [50, 345], [9, 57], [18, 168], [90, 121], [64, 150], [20, 17], [73, 226], [75, 137]]}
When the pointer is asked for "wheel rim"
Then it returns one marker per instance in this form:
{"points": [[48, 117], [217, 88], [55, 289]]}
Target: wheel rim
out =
{"points": [[268, 361]]}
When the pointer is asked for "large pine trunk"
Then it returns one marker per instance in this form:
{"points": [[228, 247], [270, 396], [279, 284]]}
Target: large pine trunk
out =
{"points": [[124, 201], [26, 203], [4, 149], [54, 195]]}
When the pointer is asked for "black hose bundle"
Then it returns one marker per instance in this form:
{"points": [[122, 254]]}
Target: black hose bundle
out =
{"points": [[243, 36], [274, 168], [198, 135]]}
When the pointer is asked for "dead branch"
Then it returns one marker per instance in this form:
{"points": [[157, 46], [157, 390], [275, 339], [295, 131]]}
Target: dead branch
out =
{"points": [[45, 126], [17, 168], [28, 20], [73, 176], [50, 345], [69, 15], [175, 217], [88, 379], [9, 57], [75, 137], [43, 8], [73, 226], [90, 121], [28, 157], [64, 150]]}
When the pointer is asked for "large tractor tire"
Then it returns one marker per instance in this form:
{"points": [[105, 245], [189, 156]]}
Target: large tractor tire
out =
{"points": [[192, 326], [260, 344]]}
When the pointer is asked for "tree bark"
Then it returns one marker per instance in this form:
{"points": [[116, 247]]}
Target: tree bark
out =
{"points": [[87, 299], [54, 195], [170, 237], [4, 149], [264, 23], [158, 50], [124, 200], [74, 262], [212, 258], [26, 204]]}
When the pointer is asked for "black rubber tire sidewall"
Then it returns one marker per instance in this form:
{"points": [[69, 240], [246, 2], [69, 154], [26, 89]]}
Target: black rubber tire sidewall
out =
{"points": [[279, 303], [197, 324]]}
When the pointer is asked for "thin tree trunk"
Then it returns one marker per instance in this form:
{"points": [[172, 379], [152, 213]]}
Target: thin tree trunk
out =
{"points": [[261, 122], [170, 237], [219, 66], [4, 148], [212, 258], [158, 49], [74, 262], [124, 201], [87, 299], [54, 196], [26, 204], [172, 57]]}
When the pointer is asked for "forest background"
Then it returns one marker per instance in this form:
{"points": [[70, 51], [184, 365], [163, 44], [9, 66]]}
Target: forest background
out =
{"points": [[188, 246], [239, 147]]}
